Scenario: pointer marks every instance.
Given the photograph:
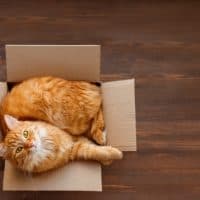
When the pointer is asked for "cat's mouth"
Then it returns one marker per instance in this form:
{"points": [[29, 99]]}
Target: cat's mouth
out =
{"points": [[32, 149]]}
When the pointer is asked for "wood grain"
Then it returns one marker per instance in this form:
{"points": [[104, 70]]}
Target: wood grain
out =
{"points": [[158, 43]]}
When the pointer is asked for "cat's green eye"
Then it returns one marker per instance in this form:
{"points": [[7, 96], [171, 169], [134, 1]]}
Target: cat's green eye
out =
{"points": [[19, 149], [25, 134]]}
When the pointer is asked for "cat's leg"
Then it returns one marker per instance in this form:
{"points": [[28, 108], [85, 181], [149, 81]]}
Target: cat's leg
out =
{"points": [[97, 127], [84, 149]]}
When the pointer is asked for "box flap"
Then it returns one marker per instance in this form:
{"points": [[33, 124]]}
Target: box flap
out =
{"points": [[3, 92], [76, 176], [72, 62], [119, 113]]}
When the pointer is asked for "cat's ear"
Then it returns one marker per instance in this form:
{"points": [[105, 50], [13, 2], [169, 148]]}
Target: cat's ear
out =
{"points": [[2, 150], [11, 122]]}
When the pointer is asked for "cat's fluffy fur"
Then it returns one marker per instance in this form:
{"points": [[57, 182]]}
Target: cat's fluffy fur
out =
{"points": [[65, 112], [74, 106], [45, 147]]}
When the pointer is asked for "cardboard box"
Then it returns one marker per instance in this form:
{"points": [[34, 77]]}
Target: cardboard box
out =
{"points": [[72, 62]]}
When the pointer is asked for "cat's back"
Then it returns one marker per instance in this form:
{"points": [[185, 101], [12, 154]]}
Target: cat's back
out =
{"points": [[50, 99], [24, 97]]}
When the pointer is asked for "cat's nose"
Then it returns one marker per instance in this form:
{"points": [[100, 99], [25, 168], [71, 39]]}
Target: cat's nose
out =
{"points": [[28, 145]]}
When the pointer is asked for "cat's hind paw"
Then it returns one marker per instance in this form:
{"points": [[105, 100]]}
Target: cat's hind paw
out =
{"points": [[100, 137]]}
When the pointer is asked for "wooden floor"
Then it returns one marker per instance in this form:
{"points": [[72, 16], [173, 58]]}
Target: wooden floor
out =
{"points": [[157, 43]]}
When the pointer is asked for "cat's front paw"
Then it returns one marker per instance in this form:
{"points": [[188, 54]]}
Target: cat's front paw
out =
{"points": [[115, 154], [111, 155], [106, 162]]}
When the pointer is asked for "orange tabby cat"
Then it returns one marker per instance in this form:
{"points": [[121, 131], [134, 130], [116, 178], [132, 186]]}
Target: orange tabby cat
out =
{"points": [[74, 106], [35, 146]]}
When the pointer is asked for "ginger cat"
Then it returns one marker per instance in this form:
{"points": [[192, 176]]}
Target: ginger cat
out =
{"points": [[35, 146], [73, 106]]}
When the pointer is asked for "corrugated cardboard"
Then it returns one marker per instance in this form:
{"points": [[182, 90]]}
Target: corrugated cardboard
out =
{"points": [[119, 114], [72, 62], [3, 92], [69, 177], [118, 105]]}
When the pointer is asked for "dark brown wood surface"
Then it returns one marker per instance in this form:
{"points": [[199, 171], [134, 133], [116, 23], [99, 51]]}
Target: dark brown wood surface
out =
{"points": [[157, 43]]}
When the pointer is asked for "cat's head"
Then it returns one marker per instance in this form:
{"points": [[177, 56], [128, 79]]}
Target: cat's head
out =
{"points": [[26, 144]]}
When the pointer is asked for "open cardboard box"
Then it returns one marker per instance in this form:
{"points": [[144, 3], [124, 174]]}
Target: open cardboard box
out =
{"points": [[72, 62]]}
